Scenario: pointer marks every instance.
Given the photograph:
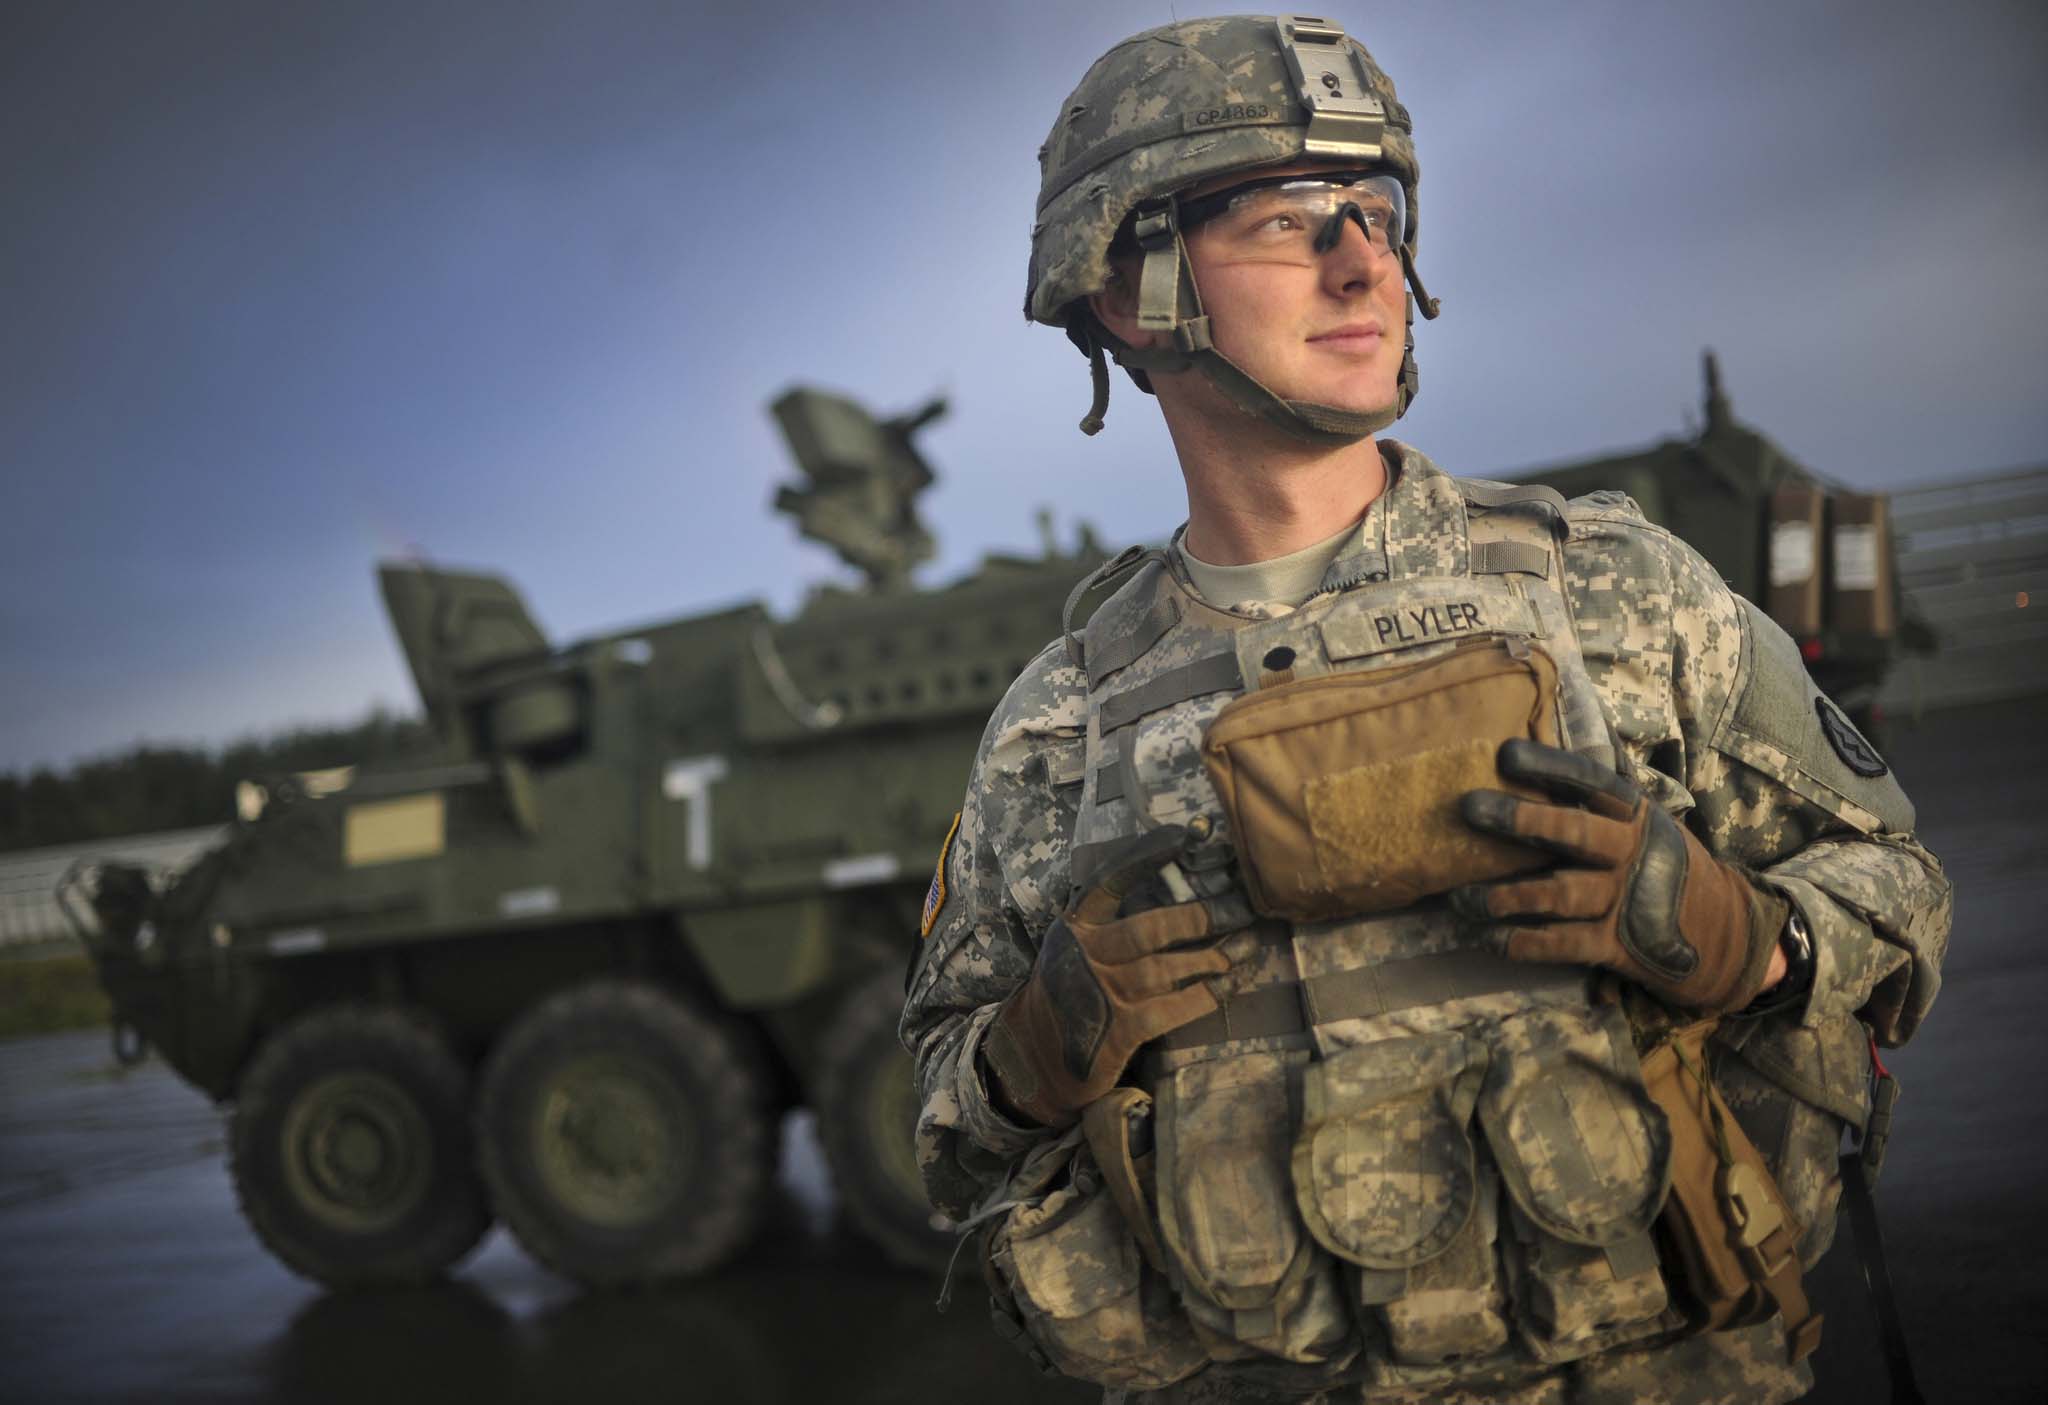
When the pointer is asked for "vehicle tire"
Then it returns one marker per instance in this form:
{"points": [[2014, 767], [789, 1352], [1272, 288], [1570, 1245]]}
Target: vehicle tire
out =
{"points": [[866, 1104], [626, 1137], [350, 1148]]}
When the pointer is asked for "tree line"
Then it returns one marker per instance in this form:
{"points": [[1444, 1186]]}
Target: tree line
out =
{"points": [[152, 787]]}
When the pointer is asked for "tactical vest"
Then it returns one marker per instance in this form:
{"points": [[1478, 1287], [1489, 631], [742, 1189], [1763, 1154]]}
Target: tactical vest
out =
{"points": [[1389, 1156]]}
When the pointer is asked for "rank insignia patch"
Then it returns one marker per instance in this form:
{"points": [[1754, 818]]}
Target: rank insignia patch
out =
{"points": [[935, 896], [1856, 753]]}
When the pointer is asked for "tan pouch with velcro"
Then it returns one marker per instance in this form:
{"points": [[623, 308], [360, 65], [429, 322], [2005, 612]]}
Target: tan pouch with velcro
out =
{"points": [[1726, 1221], [1342, 790]]}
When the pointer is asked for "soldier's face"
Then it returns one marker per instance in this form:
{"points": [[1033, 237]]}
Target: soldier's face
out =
{"points": [[1319, 326], [1324, 326]]}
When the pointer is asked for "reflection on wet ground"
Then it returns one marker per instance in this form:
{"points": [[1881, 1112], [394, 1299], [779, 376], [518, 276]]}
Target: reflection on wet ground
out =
{"points": [[802, 1320], [127, 1275]]}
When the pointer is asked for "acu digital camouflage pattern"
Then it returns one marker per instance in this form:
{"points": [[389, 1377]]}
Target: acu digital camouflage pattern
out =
{"points": [[1254, 1174], [1162, 111]]}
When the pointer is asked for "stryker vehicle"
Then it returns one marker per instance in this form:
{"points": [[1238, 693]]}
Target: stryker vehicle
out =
{"points": [[655, 891], [1815, 555]]}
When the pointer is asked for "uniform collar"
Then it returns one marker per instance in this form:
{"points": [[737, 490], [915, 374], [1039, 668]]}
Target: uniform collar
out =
{"points": [[1414, 528]]}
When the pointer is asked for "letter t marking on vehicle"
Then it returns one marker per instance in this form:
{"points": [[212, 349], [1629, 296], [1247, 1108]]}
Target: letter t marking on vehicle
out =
{"points": [[690, 781]]}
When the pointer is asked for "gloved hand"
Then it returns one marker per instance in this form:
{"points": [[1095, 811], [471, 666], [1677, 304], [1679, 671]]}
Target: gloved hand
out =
{"points": [[1102, 986], [1633, 891]]}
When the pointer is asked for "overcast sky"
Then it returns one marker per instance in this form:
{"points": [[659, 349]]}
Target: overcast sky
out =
{"points": [[286, 288]]}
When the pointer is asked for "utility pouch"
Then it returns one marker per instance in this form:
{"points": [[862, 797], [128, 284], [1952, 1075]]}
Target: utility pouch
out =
{"points": [[1342, 790], [1795, 1089], [1226, 1208], [1118, 1129], [1083, 1300], [1736, 1241]]}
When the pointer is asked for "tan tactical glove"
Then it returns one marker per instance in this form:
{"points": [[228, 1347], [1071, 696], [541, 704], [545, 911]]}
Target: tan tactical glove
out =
{"points": [[1634, 891], [1103, 985]]}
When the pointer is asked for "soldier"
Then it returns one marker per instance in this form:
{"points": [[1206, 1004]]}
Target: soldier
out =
{"points": [[1421, 939]]}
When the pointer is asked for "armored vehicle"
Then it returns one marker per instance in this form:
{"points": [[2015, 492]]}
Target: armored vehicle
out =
{"points": [[1814, 554], [654, 891]]}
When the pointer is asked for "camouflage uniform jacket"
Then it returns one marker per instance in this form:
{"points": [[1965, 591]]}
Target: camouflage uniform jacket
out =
{"points": [[1667, 648]]}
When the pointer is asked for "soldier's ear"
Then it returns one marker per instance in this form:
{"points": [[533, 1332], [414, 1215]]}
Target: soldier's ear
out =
{"points": [[1116, 308]]}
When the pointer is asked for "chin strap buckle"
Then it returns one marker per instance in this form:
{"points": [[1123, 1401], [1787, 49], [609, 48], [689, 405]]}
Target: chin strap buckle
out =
{"points": [[1156, 225], [1159, 297]]}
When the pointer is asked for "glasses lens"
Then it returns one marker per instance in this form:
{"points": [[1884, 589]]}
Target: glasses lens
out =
{"points": [[1282, 218]]}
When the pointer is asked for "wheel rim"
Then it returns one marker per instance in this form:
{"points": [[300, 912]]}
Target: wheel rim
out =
{"points": [[892, 1122], [609, 1144], [359, 1153]]}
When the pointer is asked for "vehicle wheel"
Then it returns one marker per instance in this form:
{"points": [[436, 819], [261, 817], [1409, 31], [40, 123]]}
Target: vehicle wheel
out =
{"points": [[350, 1149], [866, 1105], [625, 1136]]}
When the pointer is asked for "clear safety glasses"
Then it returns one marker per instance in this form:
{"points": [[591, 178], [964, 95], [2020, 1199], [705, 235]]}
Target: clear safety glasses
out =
{"points": [[1296, 218]]}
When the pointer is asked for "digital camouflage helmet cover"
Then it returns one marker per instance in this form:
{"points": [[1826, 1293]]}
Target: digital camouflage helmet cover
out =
{"points": [[1178, 105]]}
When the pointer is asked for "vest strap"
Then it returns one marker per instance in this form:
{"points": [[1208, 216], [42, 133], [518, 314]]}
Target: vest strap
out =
{"points": [[1211, 674], [1366, 991], [1483, 492], [1130, 644], [1500, 558], [1109, 570]]}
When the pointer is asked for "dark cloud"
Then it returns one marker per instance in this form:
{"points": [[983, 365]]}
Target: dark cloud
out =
{"points": [[287, 288]]}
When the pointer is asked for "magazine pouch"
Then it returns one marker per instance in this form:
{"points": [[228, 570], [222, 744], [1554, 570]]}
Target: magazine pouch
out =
{"points": [[1386, 1177], [1586, 1159]]}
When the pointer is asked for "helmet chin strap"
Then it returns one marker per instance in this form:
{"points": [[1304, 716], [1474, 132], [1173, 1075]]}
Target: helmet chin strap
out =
{"points": [[1306, 420], [1169, 301]]}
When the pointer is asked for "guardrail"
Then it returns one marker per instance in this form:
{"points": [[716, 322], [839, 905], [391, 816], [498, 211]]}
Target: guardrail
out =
{"points": [[1973, 559], [29, 913]]}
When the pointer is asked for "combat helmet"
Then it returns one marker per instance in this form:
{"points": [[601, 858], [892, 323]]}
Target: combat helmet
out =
{"points": [[1178, 105]]}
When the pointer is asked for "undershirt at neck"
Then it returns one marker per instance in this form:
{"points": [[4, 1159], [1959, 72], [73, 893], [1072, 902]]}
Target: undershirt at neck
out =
{"points": [[1285, 580]]}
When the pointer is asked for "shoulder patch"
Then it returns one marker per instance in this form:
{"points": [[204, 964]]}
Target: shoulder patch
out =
{"points": [[935, 896], [1849, 744], [1784, 726]]}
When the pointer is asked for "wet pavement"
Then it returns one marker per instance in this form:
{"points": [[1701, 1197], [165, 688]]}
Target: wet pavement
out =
{"points": [[126, 1273]]}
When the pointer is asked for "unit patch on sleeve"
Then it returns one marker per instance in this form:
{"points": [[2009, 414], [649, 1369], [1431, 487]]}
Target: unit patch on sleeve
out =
{"points": [[935, 896], [1856, 753]]}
